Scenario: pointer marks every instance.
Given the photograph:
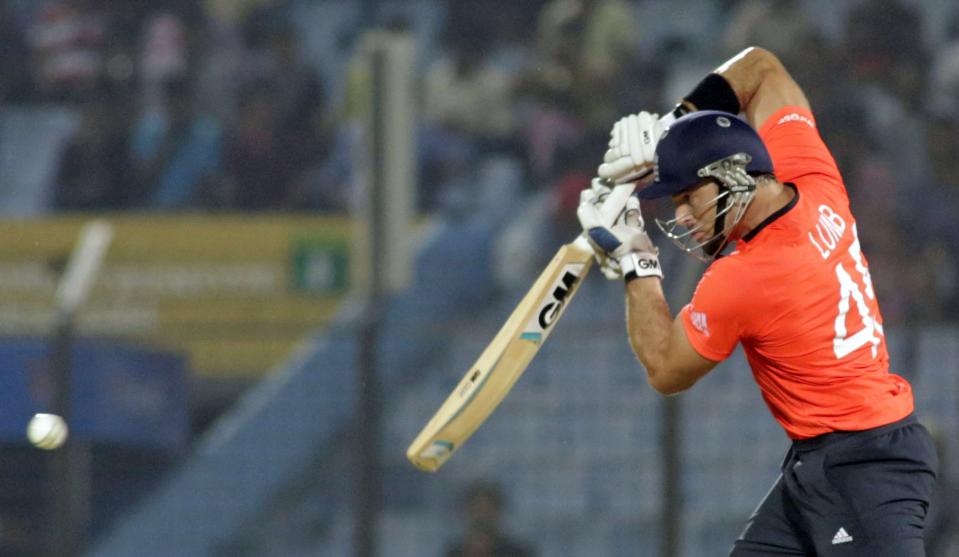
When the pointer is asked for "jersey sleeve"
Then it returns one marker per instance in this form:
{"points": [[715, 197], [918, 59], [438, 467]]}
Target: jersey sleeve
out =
{"points": [[713, 318], [795, 146]]}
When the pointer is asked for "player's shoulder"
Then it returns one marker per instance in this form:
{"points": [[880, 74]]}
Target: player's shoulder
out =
{"points": [[796, 148], [788, 117]]}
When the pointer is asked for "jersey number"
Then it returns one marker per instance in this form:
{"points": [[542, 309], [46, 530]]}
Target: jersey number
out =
{"points": [[846, 343]]}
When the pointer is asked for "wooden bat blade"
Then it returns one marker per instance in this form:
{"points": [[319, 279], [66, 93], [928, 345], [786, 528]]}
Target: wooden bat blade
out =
{"points": [[497, 369]]}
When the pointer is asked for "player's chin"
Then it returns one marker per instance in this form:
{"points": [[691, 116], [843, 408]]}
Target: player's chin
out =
{"points": [[715, 245], [704, 236]]}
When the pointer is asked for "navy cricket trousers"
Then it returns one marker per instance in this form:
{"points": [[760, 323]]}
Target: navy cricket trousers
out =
{"points": [[863, 493]]}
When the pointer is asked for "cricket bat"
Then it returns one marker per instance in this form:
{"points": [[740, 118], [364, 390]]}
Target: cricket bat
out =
{"points": [[488, 381]]}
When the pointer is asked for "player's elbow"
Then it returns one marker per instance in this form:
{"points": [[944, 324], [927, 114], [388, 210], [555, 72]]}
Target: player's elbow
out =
{"points": [[666, 383], [761, 61]]}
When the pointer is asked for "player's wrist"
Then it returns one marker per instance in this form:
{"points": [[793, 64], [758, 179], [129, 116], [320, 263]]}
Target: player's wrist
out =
{"points": [[640, 265], [713, 92]]}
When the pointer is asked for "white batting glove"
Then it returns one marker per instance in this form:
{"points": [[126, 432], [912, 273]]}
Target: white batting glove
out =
{"points": [[623, 248], [595, 196], [632, 146]]}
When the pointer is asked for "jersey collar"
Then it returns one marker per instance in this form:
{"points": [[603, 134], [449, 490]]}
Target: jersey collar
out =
{"points": [[780, 212]]}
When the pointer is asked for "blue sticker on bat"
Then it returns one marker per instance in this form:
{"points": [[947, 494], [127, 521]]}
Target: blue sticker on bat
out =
{"points": [[534, 337], [438, 449]]}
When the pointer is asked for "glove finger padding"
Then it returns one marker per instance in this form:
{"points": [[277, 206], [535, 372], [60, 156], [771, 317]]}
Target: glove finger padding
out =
{"points": [[632, 147], [615, 136], [590, 218], [600, 188], [610, 268], [610, 155], [588, 211], [632, 215], [623, 248], [619, 169], [646, 138], [634, 141], [597, 211], [595, 195]]}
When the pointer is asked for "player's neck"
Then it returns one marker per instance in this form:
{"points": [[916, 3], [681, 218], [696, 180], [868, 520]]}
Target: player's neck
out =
{"points": [[771, 196]]}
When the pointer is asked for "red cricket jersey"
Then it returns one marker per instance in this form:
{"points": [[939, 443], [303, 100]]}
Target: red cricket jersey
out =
{"points": [[797, 294]]}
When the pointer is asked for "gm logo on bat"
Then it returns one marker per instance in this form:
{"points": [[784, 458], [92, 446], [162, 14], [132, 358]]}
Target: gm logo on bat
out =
{"points": [[540, 324]]}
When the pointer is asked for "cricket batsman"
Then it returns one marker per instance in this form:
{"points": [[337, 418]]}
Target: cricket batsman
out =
{"points": [[760, 198]]}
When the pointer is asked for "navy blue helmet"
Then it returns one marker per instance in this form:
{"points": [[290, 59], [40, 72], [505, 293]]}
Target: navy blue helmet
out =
{"points": [[700, 139]]}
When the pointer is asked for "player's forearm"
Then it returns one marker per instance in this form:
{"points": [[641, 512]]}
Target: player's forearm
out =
{"points": [[649, 322]]}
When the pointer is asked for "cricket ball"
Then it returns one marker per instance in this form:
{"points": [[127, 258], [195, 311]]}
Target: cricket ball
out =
{"points": [[47, 431]]}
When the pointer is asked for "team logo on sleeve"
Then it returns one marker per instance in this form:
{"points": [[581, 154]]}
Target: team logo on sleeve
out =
{"points": [[698, 319], [794, 117]]}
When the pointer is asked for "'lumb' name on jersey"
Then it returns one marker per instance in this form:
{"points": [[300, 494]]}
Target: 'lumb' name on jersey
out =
{"points": [[828, 232], [856, 299]]}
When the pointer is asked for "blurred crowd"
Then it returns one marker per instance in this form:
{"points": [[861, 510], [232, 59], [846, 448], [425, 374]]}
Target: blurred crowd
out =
{"points": [[218, 105], [181, 104]]}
